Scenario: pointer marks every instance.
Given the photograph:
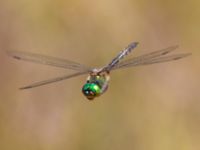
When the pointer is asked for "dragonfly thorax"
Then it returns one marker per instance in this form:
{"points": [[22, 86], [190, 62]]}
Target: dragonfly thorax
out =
{"points": [[97, 84]]}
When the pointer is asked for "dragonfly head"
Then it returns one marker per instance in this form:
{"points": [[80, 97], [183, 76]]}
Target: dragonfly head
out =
{"points": [[91, 90]]}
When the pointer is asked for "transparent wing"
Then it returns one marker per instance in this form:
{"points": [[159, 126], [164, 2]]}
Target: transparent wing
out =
{"points": [[48, 60], [151, 58], [165, 59], [120, 56], [156, 60], [36, 84]]}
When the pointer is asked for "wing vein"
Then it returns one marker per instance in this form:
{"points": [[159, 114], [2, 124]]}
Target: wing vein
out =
{"points": [[41, 83], [48, 60], [152, 58]]}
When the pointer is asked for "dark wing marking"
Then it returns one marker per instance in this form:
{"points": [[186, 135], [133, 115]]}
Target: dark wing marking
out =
{"points": [[53, 80], [48, 60], [120, 56]]}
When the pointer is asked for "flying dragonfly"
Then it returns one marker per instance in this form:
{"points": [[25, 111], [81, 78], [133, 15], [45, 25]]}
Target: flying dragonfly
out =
{"points": [[98, 79]]}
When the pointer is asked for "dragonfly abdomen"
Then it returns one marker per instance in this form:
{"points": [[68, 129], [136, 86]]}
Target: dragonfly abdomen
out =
{"points": [[120, 56]]}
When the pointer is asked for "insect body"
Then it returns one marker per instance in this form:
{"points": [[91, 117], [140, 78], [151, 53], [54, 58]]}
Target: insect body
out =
{"points": [[97, 82]]}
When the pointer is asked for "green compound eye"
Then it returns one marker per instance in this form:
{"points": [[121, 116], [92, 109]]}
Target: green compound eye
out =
{"points": [[91, 90]]}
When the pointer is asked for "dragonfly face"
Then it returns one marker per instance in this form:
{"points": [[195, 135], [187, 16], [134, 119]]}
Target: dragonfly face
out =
{"points": [[95, 86], [91, 90]]}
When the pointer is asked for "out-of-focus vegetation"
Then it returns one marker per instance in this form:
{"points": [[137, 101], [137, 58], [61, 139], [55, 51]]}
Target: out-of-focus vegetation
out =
{"points": [[153, 107]]}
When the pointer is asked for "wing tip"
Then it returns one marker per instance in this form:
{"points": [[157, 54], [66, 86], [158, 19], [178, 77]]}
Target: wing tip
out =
{"points": [[185, 55], [12, 54], [25, 87]]}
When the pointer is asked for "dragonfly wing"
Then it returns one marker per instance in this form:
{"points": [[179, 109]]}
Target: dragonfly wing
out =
{"points": [[48, 60], [146, 57], [120, 56], [164, 59], [155, 60], [53, 80]]}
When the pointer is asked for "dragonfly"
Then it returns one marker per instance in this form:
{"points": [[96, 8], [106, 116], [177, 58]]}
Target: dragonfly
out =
{"points": [[98, 78]]}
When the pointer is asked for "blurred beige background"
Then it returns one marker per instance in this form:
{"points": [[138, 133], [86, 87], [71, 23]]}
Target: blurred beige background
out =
{"points": [[154, 107]]}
